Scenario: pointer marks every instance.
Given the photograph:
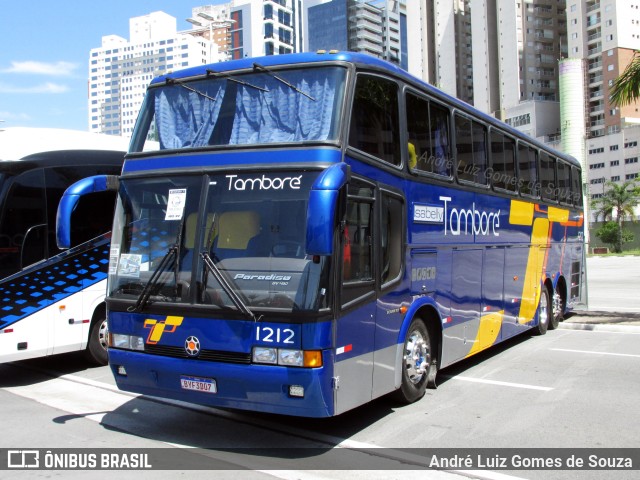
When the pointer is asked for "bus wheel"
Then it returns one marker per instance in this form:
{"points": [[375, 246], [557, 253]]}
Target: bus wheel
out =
{"points": [[558, 310], [416, 358], [96, 351], [544, 312]]}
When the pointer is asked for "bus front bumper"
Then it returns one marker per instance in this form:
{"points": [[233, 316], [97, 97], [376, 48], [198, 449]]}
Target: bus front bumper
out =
{"points": [[304, 392]]}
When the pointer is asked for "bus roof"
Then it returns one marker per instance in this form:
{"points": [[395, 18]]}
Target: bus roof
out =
{"points": [[63, 158], [18, 142], [361, 60]]}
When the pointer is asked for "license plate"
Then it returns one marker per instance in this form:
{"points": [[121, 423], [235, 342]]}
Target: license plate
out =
{"points": [[198, 384]]}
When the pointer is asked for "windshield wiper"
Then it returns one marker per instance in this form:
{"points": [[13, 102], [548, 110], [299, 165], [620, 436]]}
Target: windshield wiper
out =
{"points": [[264, 69], [153, 280], [237, 80], [173, 81], [173, 252], [226, 286], [217, 273]]}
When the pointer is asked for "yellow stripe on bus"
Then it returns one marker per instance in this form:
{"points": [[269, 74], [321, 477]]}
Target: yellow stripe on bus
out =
{"points": [[521, 213], [488, 331], [558, 215], [533, 275]]}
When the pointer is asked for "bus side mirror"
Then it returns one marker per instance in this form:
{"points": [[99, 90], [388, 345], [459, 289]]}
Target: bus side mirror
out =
{"points": [[321, 210], [70, 199]]}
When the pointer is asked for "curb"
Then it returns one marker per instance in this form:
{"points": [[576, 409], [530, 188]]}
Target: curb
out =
{"points": [[600, 327]]}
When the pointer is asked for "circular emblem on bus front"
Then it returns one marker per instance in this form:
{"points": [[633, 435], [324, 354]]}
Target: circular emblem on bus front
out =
{"points": [[192, 346]]}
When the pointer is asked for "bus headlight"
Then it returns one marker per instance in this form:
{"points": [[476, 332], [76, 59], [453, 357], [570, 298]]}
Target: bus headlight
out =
{"points": [[287, 357], [290, 358], [126, 342], [265, 355]]}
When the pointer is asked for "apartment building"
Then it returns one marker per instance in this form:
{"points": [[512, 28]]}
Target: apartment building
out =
{"points": [[500, 56], [378, 28], [605, 33], [121, 69]]}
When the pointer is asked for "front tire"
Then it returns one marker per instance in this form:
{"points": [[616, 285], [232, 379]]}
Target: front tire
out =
{"points": [[416, 359], [96, 351]]}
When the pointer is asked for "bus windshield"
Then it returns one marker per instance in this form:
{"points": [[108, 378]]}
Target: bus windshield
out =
{"points": [[222, 240], [262, 107]]}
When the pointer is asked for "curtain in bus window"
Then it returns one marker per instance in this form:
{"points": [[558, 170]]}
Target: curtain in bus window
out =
{"points": [[185, 117], [283, 114]]}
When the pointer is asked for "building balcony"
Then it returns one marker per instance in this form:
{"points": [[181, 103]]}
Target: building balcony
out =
{"points": [[593, 7], [595, 79]]}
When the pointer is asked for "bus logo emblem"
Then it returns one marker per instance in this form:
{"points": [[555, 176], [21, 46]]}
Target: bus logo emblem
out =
{"points": [[168, 325], [192, 346]]}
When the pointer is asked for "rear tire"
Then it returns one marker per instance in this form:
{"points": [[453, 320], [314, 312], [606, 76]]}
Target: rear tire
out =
{"points": [[416, 358], [558, 309], [96, 351], [544, 312]]}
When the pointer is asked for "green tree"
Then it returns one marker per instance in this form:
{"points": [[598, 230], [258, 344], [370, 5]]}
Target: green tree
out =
{"points": [[609, 233], [617, 203], [626, 88]]}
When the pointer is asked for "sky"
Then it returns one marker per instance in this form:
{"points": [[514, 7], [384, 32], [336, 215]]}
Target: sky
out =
{"points": [[44, 54]]}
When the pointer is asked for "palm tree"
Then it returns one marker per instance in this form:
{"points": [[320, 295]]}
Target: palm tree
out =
{"points": [[618, 201], [626, 88]]}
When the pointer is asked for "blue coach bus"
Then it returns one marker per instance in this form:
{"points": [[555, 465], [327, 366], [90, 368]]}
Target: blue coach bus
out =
{"points": [[315, 231]]}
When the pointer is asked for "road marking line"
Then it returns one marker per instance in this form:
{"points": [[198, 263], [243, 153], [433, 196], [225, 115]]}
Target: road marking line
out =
{"points": [[596, 353], [502, 384]]}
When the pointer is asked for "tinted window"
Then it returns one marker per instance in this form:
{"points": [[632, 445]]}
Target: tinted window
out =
{"points": [[548, 176], [92, 216], [503, 166], [429, 147], [357, 246], [576, 186], [471, 150], [564, 183], [528, 170], [391, 237], [374, 119], [23, 224]]}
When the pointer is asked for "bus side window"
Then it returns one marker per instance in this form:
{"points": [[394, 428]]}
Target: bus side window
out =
{"points": [[548, 177], [357, 242], [503, 167], [528, 170], [391, 237], [576, 187], [375, 127], [23, 224], [471, 149], [428, 129]]}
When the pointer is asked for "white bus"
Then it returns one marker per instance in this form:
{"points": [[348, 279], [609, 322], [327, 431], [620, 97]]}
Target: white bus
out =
{"points": [[52, 301]]}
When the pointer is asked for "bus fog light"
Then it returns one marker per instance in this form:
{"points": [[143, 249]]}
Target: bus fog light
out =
{"points": [[265, 355], [290, 358], [122, 371], [296, 391]]}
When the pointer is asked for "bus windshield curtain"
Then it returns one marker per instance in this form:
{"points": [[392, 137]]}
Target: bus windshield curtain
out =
{"points": [[185, 118], [284, 115]]}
